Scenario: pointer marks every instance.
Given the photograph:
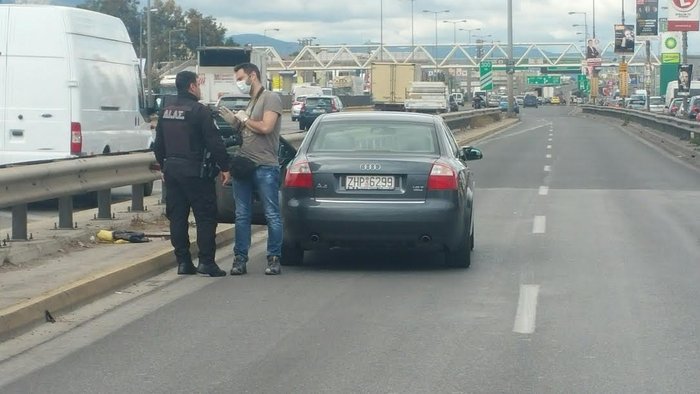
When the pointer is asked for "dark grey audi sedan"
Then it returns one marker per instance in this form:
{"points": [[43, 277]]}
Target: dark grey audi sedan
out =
{"points": [[379, 180]]}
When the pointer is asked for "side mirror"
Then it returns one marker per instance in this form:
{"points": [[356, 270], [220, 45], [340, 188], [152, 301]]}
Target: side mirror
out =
{"points": [[471, 153]]}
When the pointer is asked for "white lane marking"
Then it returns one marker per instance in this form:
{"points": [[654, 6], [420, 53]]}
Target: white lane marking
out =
{"points": [[547, 168], [500, 137], [544, 190], [549, 156], [526, 315], [551, 134], [549, 146], [550, 140], [539, 226]]}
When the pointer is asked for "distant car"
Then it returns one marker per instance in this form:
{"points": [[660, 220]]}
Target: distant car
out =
{"points": [[674, 106], [316, 106], [520, 100], [656, 104], [503, 105], [379, 180], [555, 100], [693, 107], [493, 101], [540, 100], [637, 104], [296, 106], [234, 102], [530, 101]]}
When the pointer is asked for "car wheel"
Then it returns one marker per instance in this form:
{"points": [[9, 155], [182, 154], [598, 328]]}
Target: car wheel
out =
{"points": [[292, 255], [301, 126]]}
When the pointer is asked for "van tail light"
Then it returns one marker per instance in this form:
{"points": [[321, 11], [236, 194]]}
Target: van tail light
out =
{"points": [[76, 138], [442, 177], [333, 107], [299, 175]]}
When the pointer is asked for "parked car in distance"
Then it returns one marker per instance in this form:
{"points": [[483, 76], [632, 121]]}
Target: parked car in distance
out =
{"points": [[520, 100], [379, 180], [493, 101], [296, 106], [637, 104], [657, 104], [234, 102], [530, 101], [555, 100], [503, 105], [314, 106]]}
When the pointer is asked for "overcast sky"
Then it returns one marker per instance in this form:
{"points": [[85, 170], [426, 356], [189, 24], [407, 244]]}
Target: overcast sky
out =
{"points": [[358, 21]]}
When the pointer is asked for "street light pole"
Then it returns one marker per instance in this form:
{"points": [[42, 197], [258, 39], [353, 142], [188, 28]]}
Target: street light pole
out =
{"points": [[381, 30], [454, 29], [436, 33], [510, 58], [149, 58]]}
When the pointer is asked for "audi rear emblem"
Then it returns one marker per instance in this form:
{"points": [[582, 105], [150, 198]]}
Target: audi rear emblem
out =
{"points": [[370, 167]]}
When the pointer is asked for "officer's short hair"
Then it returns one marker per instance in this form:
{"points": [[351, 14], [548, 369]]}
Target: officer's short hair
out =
{"points": [[184, 79], [248, 68]]}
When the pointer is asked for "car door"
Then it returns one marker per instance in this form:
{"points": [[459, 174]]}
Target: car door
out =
{"points": [[4, 15]]}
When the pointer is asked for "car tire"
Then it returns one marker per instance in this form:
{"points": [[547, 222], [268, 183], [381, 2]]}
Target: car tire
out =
{"points": [[292, 255], [301, 126], [294, 118]]}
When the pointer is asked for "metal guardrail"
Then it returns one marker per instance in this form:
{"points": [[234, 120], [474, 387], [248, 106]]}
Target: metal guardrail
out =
{"points": [[62, 179], [685, 130], [462, 119]]}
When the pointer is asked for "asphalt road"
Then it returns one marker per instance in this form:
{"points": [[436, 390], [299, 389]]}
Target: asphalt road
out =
{"points": [[584, 279]]}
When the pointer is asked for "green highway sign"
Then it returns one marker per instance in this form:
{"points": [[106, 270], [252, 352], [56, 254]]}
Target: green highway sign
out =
{"points": [[486, 75], [544, 80]]}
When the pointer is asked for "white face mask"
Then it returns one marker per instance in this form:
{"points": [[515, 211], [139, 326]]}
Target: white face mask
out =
{"points": [[243, 86]]}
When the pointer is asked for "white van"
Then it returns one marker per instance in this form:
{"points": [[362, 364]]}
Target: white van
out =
{"points": [[70, 85], [672, 90]]}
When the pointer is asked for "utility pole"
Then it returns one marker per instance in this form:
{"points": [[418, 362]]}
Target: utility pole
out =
{"points": [[149, 58], [510, 59]]}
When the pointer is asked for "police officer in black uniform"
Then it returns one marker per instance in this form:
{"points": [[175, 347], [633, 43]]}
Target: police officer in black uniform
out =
{"points": [[189, 147]]}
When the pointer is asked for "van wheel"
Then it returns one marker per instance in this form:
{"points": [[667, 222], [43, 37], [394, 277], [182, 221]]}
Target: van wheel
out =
{"points": [[294, 118], [148, 189]]}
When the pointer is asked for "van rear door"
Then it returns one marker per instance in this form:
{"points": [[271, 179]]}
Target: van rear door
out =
{"points": [[37, 90], [3, 70]]}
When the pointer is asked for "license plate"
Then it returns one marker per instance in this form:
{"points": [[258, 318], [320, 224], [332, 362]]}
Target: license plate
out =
{"points": [[369, 182]]}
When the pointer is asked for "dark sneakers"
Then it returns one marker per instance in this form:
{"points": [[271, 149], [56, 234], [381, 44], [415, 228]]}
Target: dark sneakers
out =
{"points": [[212, 270], [239, 265], [273, 266]]}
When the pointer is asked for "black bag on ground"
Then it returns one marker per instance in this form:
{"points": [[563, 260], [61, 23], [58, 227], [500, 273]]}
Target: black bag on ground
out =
{"points": [[242, 167]]}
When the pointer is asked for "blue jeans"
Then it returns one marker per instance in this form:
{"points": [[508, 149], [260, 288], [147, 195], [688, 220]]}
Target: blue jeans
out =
{"points": [[266, 181]]}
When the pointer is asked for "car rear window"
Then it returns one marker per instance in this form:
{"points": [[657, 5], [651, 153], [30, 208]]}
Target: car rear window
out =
{"points": [[234, 102], [375, 136], [319, 102]]}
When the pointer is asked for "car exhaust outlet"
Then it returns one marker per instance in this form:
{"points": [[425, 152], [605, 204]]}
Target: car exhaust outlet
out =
{"points": [[315, 238], [425, 238]]}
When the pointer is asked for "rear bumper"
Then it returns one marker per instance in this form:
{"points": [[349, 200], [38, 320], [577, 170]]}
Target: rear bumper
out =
{"points": [[322, 224]]}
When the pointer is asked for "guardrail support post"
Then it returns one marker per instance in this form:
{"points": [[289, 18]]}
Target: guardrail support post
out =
{"points": [[137, 197], [104, 204], [65, 212], [19, 222]]}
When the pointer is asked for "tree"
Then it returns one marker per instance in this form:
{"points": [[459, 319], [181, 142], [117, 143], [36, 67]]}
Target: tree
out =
{"points": [[230, 42], [202, 30]]}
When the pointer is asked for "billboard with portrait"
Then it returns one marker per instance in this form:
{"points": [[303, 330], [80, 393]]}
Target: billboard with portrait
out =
{"points": [[624, 39]]}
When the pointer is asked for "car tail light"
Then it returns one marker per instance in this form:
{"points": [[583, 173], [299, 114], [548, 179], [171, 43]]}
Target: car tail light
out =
{"points": [[76, 138], [442, 177], [333, 107], [299, 175]]}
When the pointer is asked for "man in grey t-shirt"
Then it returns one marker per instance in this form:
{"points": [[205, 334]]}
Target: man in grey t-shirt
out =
{"points": [[260, 126]]}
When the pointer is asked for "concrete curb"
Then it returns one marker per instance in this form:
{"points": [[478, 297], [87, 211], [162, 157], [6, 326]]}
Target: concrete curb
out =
{"points": [[24, 314]]}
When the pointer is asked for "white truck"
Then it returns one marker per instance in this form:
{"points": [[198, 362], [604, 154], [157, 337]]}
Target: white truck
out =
{"points": [[390, 83], [70, 85], [215, 70], [428, 97]]}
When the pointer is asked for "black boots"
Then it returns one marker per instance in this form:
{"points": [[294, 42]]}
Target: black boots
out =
{"points": [[186, 268], [212, 270]]}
